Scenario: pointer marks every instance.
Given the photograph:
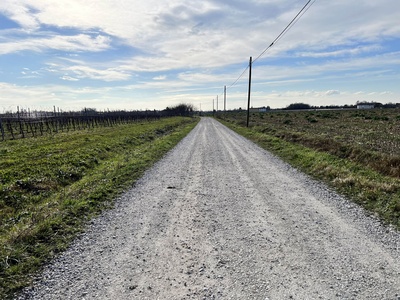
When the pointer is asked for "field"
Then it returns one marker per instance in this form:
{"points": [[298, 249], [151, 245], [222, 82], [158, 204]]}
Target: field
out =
{"points": [[356, 152], [51, 185]]}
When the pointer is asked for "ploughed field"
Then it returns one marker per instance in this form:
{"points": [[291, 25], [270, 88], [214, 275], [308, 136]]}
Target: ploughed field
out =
{"points": [[375, 130], [356, 152]]}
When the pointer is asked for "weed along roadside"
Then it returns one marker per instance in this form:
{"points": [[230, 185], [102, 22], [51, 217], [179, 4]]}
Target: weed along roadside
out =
{"points": [[51, 186], [356, 153]]}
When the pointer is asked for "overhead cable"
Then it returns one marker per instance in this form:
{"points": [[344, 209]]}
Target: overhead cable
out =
{"points": [[241, 75], [284, 31]]}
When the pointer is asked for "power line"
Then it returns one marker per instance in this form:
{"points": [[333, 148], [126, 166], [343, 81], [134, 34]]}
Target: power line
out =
{"points": [[290, 25], [284, 31], [296, 20], [241, 75]]}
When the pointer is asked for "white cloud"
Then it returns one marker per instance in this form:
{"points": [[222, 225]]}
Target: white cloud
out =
{"points": [[72, 98], [342, 52], [20, 13], [78, 43], [73, 70], [69, 78], [97, 74], [332, 92], [207, 33]]}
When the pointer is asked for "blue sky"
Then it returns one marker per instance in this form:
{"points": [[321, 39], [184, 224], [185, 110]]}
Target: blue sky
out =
{"points": [[152, 54]]}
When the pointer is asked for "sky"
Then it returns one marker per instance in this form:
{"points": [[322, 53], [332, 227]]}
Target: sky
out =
{"points": [[138, 55]]}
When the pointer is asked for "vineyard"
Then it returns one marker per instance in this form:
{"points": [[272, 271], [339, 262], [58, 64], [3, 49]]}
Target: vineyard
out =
{"points": [[26, 124]]}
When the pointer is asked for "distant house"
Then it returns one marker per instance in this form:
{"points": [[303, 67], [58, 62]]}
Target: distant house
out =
{"points": [[260, 109], [364, 105]]}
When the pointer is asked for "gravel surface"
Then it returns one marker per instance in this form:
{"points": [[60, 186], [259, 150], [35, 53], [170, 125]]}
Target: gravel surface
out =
{"points": [[220, 218]]}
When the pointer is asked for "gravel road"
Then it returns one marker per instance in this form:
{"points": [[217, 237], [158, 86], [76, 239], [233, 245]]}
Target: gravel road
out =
{"points": [[220, 218]]}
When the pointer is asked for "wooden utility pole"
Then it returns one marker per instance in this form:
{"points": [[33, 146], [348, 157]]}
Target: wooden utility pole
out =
{"points": [[225, 98], [217, 103], [248, 97]]}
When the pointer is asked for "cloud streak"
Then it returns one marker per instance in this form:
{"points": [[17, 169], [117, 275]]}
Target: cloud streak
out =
{"points": [[78, 43]]}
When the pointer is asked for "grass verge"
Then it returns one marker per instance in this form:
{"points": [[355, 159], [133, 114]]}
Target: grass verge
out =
{"points": [[378, 193], [51, 186]]}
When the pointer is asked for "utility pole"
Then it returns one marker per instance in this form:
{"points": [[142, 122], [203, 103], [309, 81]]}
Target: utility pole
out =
{"points": [[225, 98], [217, 103], [248, 97]]}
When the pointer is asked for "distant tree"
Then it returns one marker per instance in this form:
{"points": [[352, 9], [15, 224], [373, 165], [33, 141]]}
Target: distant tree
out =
{"points": [[295, 106], [182, 109], [389, 105]]}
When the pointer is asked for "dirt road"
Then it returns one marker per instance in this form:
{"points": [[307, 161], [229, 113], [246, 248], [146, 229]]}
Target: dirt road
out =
{"points": [[220, 218]]}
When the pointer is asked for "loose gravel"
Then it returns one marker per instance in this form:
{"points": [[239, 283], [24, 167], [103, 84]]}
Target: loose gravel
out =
{"points": [[221, 218]]}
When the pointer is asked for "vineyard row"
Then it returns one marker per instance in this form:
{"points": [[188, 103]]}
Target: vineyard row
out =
{"points": [[17, 127]]}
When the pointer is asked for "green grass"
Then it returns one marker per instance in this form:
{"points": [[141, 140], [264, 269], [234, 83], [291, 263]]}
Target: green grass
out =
{"points": [[377, 191], [51, 186]]}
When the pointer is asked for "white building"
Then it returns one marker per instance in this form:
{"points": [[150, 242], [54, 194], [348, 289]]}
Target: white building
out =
{"points": [[365, 105]]}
